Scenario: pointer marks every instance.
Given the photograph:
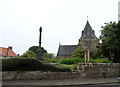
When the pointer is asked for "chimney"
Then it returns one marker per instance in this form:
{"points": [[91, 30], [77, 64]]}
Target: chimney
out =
{"points": [[9, 47]]}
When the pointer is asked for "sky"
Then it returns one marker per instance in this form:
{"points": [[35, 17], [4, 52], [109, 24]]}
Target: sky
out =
{"points": [[62, 21]]}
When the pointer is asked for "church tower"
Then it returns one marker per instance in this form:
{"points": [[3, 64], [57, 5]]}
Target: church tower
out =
{"points": [[88, 39]]}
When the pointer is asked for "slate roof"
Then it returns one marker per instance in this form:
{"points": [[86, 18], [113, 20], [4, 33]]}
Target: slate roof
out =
{"points": [[4, 52], [88, 33], [66, 50]]}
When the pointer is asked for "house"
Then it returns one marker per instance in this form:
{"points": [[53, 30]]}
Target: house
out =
{"points": [[88, 40], [7, 52]]}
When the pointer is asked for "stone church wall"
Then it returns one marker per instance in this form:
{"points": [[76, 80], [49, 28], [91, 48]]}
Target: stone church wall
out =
{"points": [[88, 44], [84, 70]]}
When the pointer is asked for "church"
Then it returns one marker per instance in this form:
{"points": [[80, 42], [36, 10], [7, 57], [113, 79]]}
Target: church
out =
{"points": [[88, 40]]}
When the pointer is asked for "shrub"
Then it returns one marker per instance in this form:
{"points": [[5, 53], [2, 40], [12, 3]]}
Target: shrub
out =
{"points": [[29, 54], [94, 54], [78, 53], [51, 60], [99, 60], [71, 60], [28, 64], [47, 55]]}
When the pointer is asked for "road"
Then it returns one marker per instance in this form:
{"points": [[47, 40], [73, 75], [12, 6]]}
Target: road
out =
{"points": [[98, 85], [88, 82]]}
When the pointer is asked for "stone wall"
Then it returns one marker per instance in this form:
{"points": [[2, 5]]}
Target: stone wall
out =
{"points": [[38, 75], [84, 70], [95, 70]]}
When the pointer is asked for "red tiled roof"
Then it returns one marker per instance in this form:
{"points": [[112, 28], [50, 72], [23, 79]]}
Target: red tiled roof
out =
{"points": [[4, 52]]}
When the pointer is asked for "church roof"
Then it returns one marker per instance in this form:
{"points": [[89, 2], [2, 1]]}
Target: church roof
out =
{"points": [[88, 33], [66, 50]]}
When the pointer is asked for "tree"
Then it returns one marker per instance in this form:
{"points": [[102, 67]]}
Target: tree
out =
{"points": [[110, 37], [94, 54], [45, 53], [78, 53], [29, 54], [32, 52], [35, 49], [48, 55]]}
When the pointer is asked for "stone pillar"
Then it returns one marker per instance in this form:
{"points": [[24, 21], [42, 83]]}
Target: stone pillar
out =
{"points": [[87, 56]]}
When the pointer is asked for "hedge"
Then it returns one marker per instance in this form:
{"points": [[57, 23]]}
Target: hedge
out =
{"points": [[70, 61], [28, 64], [100, 60], [51, 60]]}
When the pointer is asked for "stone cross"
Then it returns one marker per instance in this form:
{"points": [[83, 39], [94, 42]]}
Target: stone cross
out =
{"points": [[40, 36], [40, 52]]}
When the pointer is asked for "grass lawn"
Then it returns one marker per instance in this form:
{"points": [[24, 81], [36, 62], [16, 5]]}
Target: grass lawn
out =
{"points": [[72, 67]]}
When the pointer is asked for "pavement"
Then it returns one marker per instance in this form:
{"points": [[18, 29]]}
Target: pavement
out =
{"points": [[61, 82]]}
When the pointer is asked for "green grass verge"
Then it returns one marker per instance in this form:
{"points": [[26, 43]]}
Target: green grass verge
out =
{"points": [[72, 67]]}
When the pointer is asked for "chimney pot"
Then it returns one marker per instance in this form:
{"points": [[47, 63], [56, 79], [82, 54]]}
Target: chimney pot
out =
{"points": [[10, 47]]}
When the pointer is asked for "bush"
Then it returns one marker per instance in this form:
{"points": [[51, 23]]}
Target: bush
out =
{"points": [[99, 60], [50, 60], [70, 61], [28, 64], [29, 54], [47, 55], [94, 54], [78, 53]]}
